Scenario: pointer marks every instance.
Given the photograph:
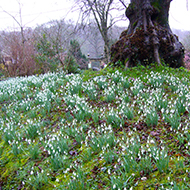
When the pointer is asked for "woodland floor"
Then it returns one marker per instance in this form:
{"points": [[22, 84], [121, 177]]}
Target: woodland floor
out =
{"points": [[111, 129]]}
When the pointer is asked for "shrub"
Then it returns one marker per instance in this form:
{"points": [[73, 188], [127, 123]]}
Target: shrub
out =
{"points": [[46, 57], [70, 64]]}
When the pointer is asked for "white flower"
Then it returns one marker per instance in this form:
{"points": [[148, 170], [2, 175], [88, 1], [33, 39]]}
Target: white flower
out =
{"points": [[57, 180], [144, 178]]}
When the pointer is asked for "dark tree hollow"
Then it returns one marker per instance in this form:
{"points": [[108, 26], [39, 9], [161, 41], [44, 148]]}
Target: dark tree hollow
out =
{"points": [[148, 38]]}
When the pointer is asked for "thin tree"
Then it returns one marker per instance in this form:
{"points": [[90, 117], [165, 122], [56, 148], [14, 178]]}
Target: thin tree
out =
{"points": [[20, 62], [94, 43], [149, 37], [101, 11]]}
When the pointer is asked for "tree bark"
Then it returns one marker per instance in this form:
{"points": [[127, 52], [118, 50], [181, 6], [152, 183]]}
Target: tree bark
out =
{"points": [[149, 37]]}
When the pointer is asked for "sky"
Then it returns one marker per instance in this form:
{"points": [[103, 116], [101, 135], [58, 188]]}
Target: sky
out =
{"points": [[37, 12]]}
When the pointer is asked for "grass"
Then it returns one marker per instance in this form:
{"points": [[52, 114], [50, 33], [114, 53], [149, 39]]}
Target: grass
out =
{"points": [[111, 129]]}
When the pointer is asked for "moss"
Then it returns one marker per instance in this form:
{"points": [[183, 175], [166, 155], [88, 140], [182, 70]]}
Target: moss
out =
{"points": [[135, 24], [156, 5], [132, 5]]}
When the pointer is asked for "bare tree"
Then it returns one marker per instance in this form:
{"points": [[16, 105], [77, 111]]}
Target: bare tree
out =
{"points": [[18, 44], [102, 13], [14, 51], [18, 21], [58, 34], [94, 42]]}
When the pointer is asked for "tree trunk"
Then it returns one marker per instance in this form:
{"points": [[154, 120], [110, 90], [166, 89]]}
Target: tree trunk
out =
{"points": [[106, 47], [149, 37]]}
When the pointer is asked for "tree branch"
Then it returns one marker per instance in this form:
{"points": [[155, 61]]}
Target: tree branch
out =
{"points": [[122, 2]]}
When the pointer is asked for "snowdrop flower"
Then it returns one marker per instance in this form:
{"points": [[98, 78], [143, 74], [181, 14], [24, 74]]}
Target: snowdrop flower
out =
{"points": [[57, 180]]}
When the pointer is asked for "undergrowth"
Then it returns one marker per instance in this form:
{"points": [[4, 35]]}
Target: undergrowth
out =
{"points": [[111, 129]]}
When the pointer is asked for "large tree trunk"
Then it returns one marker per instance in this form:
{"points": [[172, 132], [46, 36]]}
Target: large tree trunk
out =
{"points": [[149, 37]]}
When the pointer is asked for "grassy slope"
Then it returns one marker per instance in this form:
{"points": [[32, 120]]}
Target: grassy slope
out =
{"points": [[107, 130]]}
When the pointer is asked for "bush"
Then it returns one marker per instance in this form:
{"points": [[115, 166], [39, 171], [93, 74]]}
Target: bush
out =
{"points": [[46, 58], [70, 64]]}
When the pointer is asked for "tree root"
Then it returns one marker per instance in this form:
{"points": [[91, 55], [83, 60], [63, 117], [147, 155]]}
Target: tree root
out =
{"points": [[146, 40]]}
